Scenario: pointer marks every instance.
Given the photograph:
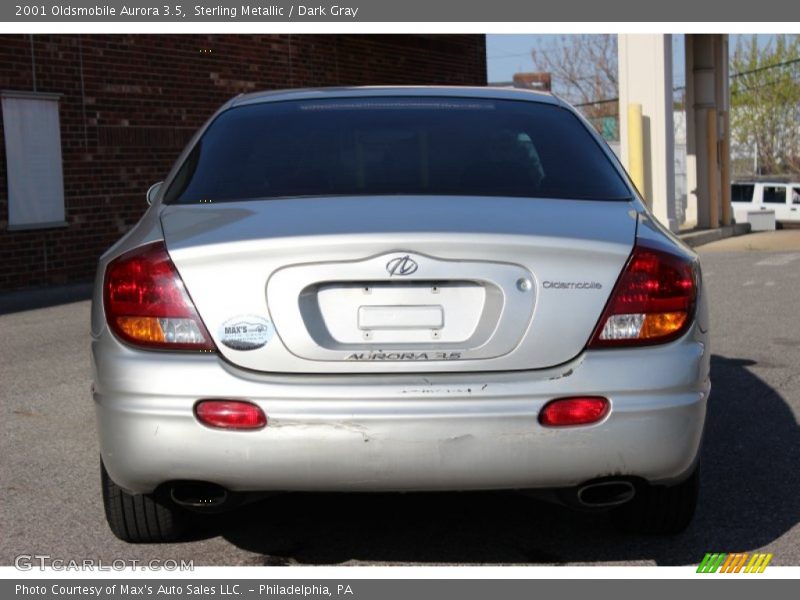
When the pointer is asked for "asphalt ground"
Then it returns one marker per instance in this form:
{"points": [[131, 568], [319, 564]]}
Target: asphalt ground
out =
{"points": [[750, 496]]}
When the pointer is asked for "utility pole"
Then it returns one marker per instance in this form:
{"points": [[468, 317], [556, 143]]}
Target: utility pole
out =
{"points": [[755, 159]]}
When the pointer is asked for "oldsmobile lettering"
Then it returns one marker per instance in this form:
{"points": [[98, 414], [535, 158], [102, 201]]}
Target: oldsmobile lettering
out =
{"points": [[572, 285]]}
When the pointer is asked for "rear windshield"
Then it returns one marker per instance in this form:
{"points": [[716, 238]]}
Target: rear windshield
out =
{"points": [[380, 146]]}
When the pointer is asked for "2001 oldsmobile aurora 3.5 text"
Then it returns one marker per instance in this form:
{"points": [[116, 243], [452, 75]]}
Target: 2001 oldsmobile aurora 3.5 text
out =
{"points": [[398, 289]]}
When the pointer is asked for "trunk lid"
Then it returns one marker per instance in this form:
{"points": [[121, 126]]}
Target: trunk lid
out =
{"points": [[400, 284]]}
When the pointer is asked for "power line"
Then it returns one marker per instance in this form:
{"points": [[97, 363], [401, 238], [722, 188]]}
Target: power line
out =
{"points": [[678, 88], [592, 103], [766, 67], [750, 88], [740, 74]]}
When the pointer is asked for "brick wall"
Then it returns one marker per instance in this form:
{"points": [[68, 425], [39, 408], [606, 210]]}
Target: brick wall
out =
{"points": [[130, 103]]}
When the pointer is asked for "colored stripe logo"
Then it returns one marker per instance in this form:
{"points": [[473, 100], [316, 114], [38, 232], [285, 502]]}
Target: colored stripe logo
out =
{"points": [[739, 562]]}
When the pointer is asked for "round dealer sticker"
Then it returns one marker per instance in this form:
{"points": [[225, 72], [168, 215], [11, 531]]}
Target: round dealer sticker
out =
{"points": [[249, 332]]}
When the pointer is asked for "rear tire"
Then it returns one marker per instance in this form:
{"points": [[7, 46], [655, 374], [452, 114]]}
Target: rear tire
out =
{"points": [[140, 518], [660, 510]]}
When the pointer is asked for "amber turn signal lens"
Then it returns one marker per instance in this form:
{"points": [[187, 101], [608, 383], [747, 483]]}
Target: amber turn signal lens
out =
{"points": [[142, 329], [662, 324]]}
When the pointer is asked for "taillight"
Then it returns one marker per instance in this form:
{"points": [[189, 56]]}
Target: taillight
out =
{"points": [[567, 412], [146, 303], [653, 301], [230, 414]]}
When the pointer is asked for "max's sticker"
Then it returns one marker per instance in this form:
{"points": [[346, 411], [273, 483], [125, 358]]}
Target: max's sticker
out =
{"points": [[246, 333]]}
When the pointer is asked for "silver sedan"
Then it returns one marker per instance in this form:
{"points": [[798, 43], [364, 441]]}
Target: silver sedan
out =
{"points": [[398, 289]]}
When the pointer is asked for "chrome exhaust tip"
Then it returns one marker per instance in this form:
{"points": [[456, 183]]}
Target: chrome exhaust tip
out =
{"points": [[198, 495], [606, 493]]}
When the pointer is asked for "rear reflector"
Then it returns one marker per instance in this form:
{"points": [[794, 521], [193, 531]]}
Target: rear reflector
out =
{"points": [[653, 301], [147, 305], [230, 414], [566, 412]]}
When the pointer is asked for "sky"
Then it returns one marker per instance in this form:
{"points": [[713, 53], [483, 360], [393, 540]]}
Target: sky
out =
{"points": [[511, 53]]}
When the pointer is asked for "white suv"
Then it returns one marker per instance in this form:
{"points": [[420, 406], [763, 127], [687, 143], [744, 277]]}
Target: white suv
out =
{"points": [[781, 197]]}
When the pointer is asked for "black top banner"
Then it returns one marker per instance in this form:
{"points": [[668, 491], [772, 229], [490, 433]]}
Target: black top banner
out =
{"points": [[465, 11]]}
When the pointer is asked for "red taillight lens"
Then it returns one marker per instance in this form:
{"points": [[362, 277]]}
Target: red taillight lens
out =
{"points": [[230, 414], [653, 301], [146, 303], [566, 412]]}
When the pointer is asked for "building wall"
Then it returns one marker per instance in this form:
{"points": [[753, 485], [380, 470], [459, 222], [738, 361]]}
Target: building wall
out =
{"points": [[131, 102]]}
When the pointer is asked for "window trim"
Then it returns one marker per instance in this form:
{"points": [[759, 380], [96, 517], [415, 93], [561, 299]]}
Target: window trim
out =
{"points": [[31, 95], [37, 226]]}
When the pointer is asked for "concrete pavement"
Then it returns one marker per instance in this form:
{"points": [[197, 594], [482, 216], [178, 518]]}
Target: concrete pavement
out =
{"points": [[782, 240]]}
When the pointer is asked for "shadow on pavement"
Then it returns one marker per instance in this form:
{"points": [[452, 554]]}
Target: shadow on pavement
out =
{"points": [[750, 486], [43, 297]]}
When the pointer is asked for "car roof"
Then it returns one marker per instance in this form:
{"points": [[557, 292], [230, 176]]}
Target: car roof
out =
{"points": [[769, 180], [493, 93]]}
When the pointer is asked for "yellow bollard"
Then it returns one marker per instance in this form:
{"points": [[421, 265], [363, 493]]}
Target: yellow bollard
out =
{"points": [[636, 148]]}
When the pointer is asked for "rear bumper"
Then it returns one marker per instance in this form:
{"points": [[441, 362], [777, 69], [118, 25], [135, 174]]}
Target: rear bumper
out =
{"points": [[399, 432]]}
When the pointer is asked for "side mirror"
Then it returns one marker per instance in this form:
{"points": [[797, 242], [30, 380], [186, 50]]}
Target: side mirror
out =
{"points": [[153, 192]]}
